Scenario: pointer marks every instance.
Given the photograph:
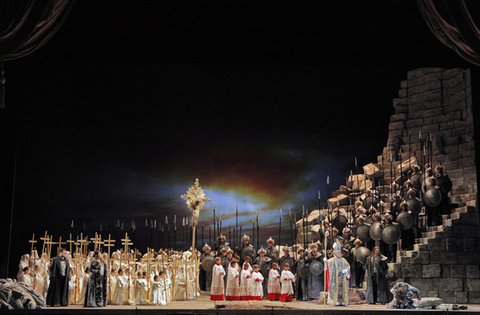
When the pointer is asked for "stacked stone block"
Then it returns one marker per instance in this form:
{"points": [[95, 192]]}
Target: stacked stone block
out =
{"points": [[437, 102]]}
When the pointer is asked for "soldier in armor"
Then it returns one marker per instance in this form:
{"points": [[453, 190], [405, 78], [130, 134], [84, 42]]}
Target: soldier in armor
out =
{"points": [[246, 249], [408, 236], [272, 250], [445, 186], [220, 243], [390, 250], [314, 281], [301, 280], [347, 244], [205, 277], [332, 239], [264, 264], [357, 267]]}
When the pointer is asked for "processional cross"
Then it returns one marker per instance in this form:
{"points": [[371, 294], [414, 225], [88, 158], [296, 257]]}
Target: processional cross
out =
{"points": [[196, 199]]}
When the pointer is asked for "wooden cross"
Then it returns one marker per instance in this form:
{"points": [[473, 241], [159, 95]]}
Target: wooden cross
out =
{"points": [[60, 243], [45, 239], [97, 242], [71, 241], [49, 245], [33, 241], [85, 243], [82, 242], [126, 243], [108, 243]]}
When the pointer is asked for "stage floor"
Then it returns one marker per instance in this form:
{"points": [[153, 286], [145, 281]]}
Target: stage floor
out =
{"points": [[204, 306]]}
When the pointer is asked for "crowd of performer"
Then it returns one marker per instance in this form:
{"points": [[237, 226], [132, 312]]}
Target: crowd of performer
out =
{"points": [[338, 261]]}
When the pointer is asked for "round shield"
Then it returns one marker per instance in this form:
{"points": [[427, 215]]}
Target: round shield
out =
{"points": [[391, 234], [376, 231], [417, 180], [369, 219], [340, 222], [414, 205], [248, 251], [301, 270], [288, 260], [432, 197], [363, 232], [362, 253], [445, 184], [316, 267], [426, 185], [207, 263], [405, 220], [370, 201]]}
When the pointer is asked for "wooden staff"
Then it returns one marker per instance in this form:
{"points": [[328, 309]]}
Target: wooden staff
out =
{"points": [[258, 233], [291, 226], [328, 196], [280, 228]]}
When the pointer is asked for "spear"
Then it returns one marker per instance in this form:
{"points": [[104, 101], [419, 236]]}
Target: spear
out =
{"points": [[214, 221], [328, 193], [184, 232], [175, 231], [319, 205], [240, 233], [280, 228], [236, 227], [401, 168], [383, 174], [356, 171], [202, 236], [409, 154], [391, 173], [258, 233], [253, 230], [290, 221]]}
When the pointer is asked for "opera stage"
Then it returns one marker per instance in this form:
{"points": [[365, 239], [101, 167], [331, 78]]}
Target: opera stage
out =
{"points": [[204, 306]]}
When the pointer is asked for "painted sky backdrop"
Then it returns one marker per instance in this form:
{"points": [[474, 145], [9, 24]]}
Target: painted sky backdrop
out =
{"points": [[115, 117]]}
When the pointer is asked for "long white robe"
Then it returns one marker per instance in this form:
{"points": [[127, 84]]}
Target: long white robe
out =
{"points": [[286, 279], [71, 290], [26, 279], [257, 287], [232, 291], [158, 296], [273, 285], [83, 289], [141, 286], [180, 285], [168, 290], [191, 285], [245, 285], [218, 285], [40, 283], [120, 296], [112, 284]]}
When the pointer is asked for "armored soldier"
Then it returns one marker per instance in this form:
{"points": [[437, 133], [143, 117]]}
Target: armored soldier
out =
{"points": [[205, 277], [246, 249], [272, 250]]}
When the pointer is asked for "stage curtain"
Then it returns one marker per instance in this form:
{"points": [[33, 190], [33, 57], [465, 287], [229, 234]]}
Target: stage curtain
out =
{"points": [[25, 25], [456, 24]]}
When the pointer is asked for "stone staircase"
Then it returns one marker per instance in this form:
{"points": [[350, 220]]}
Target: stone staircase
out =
{"points": [[445, 261]]}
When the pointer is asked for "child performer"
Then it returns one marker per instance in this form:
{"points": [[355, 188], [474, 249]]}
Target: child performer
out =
{"points": [[245, 283], [141, 286], [257, 288], [158, 290], [218, 285], [232, 291], [274, 283], [287, 289]]}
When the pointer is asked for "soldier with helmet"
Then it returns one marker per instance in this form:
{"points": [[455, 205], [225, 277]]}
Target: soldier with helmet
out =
{"points": [[272, 250], [246, 249], [205, 276]]}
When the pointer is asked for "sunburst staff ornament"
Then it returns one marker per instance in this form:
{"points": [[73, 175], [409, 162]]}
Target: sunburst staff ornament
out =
{"points": [[196, 200]]}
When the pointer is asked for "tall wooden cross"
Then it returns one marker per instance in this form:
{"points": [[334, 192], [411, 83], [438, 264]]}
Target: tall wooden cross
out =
{"points": [[126, 242], [33, 241], [60, 243], [85, 243], [49, 245], [71, 241], [45, 239], [97, 242], [109, 243]]}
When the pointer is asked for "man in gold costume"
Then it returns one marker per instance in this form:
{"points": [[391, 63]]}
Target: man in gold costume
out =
{"points": [[338, 274]]}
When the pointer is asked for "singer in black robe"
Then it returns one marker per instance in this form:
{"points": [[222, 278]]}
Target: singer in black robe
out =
{"points": [[59, 272]]}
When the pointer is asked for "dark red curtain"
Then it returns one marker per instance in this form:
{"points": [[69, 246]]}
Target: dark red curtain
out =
{"points": [[456, 24], [25, 25]]}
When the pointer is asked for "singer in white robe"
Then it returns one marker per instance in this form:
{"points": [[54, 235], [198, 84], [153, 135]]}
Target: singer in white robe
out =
{"points": [[245, 284], [257, 288], [83, 287], [141, 287], [274, 284], [157, 296], [180, 285], [120, 296], [286, 279], [232, 292], [218, 285]]}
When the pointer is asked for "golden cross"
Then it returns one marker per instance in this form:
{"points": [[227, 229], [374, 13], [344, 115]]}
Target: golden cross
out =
{"points": [[45, 239], [97, 241], [126, 243], [71, 241], [60, 243], [33, 241], [108, 243]]}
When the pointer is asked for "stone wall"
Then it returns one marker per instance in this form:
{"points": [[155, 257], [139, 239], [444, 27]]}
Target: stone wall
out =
{"points": [[437, 103], [445, 261]]}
